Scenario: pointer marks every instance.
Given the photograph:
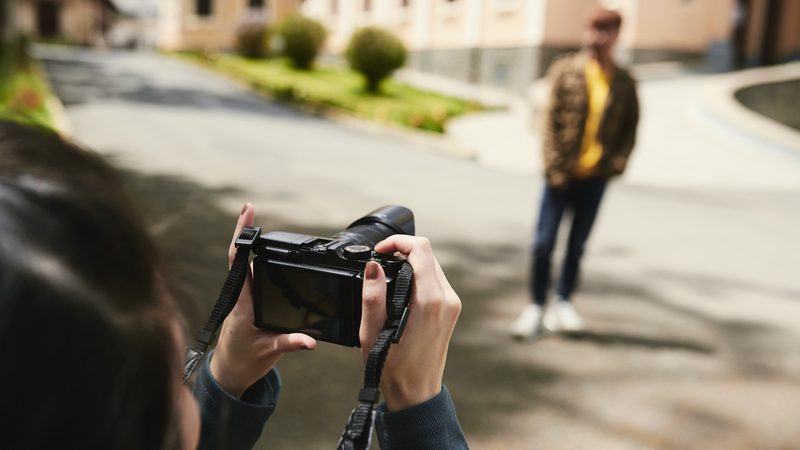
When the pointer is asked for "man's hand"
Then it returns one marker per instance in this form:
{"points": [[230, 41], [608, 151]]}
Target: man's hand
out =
{"points": [[558, 181], [245, 353], [414, 368], [618, 165]]}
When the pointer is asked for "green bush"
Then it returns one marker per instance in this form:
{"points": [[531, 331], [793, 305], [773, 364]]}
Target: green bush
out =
{"points": [[20, 51], [302, 38], [252, 41], [375, 53]]}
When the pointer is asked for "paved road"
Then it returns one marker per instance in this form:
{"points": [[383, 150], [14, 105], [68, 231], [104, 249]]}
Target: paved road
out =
{"points": [[691, 294]]}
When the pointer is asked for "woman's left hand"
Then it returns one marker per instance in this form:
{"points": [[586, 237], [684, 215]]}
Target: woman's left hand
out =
{"points": [[245, 353]]}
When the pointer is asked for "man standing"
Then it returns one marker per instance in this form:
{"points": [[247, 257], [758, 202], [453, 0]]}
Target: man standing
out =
{"points": [[590, 130]]}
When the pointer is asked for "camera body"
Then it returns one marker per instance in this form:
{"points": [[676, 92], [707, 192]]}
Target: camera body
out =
{"points": [[312, 285]]}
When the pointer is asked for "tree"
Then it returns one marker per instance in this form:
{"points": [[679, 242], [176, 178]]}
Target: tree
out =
{"points": [[376, 54], [5, 22], [302, 38]]}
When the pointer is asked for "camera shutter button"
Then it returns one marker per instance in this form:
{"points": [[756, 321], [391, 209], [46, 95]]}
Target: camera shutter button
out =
{"points": [[357, 252]]}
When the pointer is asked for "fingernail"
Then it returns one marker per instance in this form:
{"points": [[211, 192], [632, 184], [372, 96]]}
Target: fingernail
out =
{"points": [[244, 208], [371, 271]]}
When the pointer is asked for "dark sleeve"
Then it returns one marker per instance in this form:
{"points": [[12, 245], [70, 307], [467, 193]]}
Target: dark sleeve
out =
{"points": [[431, 425], [551, 147], [631, 125], [230, 423]]}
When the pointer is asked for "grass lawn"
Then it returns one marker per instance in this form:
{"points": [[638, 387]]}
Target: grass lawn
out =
{"points": [[331, 87], [24, 93]]}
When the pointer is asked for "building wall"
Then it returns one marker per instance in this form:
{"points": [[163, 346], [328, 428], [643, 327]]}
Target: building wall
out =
{"points": [[787, 45], [789, 37], [503, 23], [79, 20], [755, 26], [511, 42], [448, 25], [215, 31], [180, 27], [25, 17], [564, 22], [692, 24]]}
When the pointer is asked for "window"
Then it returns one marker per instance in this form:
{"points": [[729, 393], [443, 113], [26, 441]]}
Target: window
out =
{"points": [[505, 6], [204, 8], [256, 4], [367, 5], [334, 7]]}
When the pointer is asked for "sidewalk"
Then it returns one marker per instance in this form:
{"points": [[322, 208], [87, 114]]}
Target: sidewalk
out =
{"points": [[692, 133]]}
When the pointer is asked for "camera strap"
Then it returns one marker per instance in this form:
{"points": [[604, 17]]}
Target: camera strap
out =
{"points": [[227, 299], [358, 430]]}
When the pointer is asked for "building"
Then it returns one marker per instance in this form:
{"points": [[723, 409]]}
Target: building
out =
{"points": [[766, 32], [212, 24], [77, 21], [510, 43]]}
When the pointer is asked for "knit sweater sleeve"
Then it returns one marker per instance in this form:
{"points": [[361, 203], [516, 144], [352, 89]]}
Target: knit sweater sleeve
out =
{"points": [[232, 423], [431, 425]]}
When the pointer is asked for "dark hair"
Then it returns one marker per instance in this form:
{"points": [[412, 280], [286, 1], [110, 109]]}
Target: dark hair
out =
{"points": [[605, 20], [84, 329]]}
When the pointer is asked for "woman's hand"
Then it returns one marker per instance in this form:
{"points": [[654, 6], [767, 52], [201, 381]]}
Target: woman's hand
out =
{"points": [[414, 368], [245, 353]]}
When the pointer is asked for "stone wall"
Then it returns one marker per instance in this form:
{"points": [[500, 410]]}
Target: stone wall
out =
{"points": [[513, 68]]}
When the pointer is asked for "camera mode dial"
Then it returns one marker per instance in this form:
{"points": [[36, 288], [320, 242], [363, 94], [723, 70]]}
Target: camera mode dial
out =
{"points": [[357, 252]]}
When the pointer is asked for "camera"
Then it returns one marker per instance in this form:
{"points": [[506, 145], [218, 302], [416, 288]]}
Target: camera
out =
{"points": [[312, 285]]}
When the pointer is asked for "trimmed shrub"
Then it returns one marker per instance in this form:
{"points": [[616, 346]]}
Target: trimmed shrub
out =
{"points": [[302, 38], [252, 41], [376, 54]]}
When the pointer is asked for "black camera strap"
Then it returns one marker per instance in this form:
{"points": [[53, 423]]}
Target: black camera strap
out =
{"points": [[358, 430], [227, 299]]}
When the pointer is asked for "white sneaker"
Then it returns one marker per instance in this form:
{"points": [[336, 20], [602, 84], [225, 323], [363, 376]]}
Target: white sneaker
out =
{"points": [[561, 316], [529, 322]]}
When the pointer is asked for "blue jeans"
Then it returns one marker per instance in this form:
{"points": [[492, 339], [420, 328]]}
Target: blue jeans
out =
{"points": [[582, 197]]}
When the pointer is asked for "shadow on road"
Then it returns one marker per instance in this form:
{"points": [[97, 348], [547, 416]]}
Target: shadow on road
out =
{"points": [[492, 380], [80, 81], [629, 340]]}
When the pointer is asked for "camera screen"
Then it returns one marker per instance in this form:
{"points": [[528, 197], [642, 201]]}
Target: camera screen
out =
{"points": [[308, 300]]}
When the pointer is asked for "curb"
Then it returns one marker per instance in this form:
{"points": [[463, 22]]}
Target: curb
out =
{"points": [[722, 103], [61, 122]]}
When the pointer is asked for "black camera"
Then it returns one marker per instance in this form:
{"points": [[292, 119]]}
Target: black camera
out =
{"points": [[312, 285]]}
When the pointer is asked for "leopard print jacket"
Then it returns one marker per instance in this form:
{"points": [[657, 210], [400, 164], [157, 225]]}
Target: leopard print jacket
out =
{"points": [[568, 109]]}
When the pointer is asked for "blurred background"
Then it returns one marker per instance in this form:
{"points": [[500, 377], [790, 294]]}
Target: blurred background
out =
{"points": [[690, 285]]}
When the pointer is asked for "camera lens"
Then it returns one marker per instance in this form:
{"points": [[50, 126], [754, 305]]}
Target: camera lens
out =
{"points": [[379, 225]]}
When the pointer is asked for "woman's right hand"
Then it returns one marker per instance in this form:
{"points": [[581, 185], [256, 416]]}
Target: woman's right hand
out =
{"points": [[414, 368]]}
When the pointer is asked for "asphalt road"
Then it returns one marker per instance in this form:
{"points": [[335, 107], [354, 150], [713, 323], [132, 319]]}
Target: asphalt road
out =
{"points": [[691, 295]]}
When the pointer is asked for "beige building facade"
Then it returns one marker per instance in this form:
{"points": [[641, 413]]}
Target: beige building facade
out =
{"points": [[511, 42], [78, 21], [212, 24]]}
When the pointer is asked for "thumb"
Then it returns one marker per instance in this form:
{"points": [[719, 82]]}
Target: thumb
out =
{"points": [[294, 342], [373, 306]]}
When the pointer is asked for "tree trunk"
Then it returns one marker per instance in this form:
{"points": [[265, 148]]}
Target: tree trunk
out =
{"points": [[6, 21], [4, 13]]}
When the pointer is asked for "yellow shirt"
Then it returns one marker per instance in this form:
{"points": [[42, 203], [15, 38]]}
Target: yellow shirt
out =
{"points": [[597, 85]]}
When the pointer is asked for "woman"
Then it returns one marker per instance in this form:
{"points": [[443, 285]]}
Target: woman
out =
{"points": [[93, 343]]}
